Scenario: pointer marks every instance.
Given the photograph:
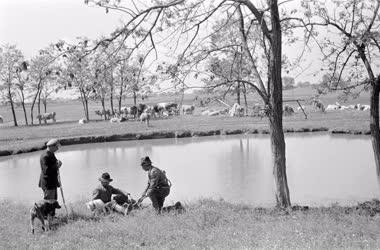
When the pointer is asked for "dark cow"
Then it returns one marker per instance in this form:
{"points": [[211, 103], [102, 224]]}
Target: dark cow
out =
{"points": [[46, 116]]}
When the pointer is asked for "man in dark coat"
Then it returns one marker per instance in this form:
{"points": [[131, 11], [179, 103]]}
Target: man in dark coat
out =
{"points": [[158, 187], [104, 192], [49, 178]]}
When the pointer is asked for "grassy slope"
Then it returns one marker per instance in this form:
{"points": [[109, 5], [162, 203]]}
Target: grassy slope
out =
{"points": [[68, 113], [206, 224]]}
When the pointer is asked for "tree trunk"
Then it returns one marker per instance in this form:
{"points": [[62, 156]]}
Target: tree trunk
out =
{"points": [[111, 100], [104, 108], [374, 124], [134, 98], [275, 114], [84, 103], [245, 99], [86, 109], [12, 106], [23, 107], [44, 102], [34, 101], [238, 93], [39, 105]]}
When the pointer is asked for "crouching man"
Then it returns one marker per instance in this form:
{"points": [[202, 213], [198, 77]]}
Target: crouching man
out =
{"points": [[102, 197], [158, 187]]}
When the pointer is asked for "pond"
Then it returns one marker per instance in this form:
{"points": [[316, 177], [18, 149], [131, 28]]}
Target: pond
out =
{"points": [[322, 169]]}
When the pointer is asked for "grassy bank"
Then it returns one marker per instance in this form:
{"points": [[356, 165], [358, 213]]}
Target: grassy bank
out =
{"points": [[205, 224], [24, 138]]}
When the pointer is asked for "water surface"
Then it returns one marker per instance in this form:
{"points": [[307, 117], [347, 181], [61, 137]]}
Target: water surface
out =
{"points": [[322, 169]]}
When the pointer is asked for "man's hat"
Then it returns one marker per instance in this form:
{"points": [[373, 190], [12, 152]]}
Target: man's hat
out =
{"points": [[53, 142], [146, 160], [105, 177]]}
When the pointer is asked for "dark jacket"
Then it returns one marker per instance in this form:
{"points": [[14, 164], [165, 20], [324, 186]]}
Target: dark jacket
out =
{"points": [[105, 193], [49, 171], [157, 180]]}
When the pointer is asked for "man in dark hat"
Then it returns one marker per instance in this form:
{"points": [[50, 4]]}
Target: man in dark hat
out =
{"points": [[105, 191], [49, 177], [158, 187]]}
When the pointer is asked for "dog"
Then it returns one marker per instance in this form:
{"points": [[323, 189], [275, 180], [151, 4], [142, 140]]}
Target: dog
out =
{"points": [[98, 207], [42, 210]]}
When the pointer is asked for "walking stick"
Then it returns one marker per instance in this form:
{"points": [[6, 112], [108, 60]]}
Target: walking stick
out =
{"points": [[63, 197]]}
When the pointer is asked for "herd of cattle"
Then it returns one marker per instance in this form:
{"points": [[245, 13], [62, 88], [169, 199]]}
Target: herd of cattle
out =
{"points": [[144, 113]]}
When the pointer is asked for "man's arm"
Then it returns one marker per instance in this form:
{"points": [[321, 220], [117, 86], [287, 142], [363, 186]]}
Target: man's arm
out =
{"points": [[117, 191], [153, 181], [95, 194]]}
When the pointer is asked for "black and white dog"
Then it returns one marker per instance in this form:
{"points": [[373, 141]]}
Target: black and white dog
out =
{"points": [[43, 210]]}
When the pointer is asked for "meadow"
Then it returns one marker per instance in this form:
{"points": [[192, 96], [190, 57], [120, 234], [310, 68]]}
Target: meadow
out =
{"points": [[24, 138], [206, 224]]}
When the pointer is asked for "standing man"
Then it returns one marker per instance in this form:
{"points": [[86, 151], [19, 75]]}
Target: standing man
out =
{"points": [[49, 178], [158, 185]]}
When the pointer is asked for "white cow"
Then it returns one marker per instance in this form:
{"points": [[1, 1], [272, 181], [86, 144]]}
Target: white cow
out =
{"points": [[236, 110], [365, 107], [82, 121], [331, 107], [187, 109], [145, 117]]}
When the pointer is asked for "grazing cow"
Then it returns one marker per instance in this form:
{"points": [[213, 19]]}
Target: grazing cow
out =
{"points": [[365, 107], [331, 107], [288, 110], [145, 117], [187, 109], [106, 113], [300, 108], [1, 119], [170, 107], [318, 105], [82, 121], [46, 116], [258, 111], [140, 109], [236, 110]]}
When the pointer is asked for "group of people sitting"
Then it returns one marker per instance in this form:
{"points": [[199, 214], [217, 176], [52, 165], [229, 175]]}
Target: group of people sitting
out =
{"points": [[106, 198]]}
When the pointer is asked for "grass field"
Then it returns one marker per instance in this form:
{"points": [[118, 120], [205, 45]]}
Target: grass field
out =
{"points": [[26, 137], [206, 224]]}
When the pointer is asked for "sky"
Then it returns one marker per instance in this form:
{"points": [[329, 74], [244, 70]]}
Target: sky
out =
{"points": [[33, 24]]}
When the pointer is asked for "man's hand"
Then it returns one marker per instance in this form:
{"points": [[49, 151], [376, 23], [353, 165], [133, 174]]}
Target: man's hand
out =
{"points": [[59, 163]]}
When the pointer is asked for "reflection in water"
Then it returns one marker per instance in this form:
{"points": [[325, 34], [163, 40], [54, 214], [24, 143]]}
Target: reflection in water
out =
{"points": [[321, 169]]}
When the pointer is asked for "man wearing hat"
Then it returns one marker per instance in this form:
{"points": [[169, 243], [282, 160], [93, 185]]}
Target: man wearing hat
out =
{"points": [[105, 191], [158, 185], [49, 178]]}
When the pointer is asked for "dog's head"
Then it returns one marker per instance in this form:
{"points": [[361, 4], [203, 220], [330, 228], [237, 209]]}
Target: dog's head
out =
{"points": [[47, 207]]}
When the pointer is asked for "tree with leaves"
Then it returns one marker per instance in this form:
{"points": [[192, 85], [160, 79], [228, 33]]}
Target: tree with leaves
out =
{"points": [[22, 85], [42, 69], [77, 70], [351, 50], [10, 60], [182, 21]]}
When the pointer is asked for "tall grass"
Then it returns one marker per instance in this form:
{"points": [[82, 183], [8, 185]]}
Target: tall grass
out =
{"points": [[206, 224]]}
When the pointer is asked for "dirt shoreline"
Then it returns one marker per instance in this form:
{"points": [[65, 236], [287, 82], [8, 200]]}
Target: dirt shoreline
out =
{"points": [[175, 134]]}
